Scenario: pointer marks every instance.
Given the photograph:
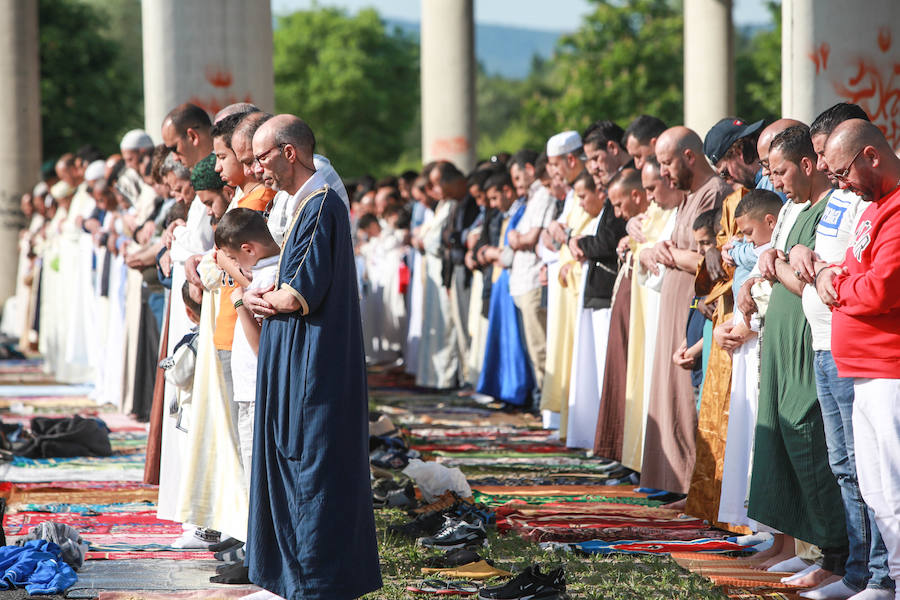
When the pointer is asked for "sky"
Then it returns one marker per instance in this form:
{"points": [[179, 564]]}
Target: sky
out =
{"points": [[555, 15]]}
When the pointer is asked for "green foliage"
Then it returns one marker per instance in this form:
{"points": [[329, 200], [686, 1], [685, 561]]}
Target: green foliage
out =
{"points": [[89, 92], [356, 84], [625, 60], [758, 71]]}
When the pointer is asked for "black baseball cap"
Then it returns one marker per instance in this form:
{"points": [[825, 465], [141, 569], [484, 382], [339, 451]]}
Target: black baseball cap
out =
{"points": [[725, 133]]}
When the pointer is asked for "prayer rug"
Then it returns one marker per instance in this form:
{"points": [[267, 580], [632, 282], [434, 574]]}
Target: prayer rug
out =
{"points": [[164, 554], [613, 491], [143, 574], [554, 464], [656, 546], [107, 531], [47, 404], [229, 593], [28, 392], [78, 492], [128, 467]]}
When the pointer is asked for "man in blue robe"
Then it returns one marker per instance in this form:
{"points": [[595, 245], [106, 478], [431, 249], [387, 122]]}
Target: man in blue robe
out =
{"points": [[312, 529]]}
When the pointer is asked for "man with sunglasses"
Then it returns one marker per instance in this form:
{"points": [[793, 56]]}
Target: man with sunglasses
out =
{"points": [[863, 293]]}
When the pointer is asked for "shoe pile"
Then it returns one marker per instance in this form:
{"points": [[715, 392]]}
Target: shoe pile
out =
{"points": [[387, 449], [448, 522], [389, 493]]}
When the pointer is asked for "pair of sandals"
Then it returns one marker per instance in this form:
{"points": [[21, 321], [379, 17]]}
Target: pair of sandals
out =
{"points": [[441, 587]]}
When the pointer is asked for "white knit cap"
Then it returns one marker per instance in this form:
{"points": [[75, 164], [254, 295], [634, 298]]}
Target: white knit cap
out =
{"points": [[563, 143], [136, 139], [61, 189], [96, 170], [40, 189]]}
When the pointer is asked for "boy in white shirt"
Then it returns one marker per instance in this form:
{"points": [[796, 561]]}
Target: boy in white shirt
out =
{"points": [[243, 236]]}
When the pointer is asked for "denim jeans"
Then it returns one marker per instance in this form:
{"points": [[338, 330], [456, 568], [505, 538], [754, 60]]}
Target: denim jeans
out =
{"points": [[868, 555]]}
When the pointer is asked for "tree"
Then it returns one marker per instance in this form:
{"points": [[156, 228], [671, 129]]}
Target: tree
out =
{"points": [[758, 71], [356, 84], [88, 94], [625, 60]]}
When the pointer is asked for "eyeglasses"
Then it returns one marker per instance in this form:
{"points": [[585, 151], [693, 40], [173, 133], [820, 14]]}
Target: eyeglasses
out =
{"points": [[259, 158], [844, 173]]}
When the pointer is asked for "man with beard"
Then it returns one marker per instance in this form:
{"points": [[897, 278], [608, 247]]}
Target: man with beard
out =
{"points": [[669, 446], [310, 493]]}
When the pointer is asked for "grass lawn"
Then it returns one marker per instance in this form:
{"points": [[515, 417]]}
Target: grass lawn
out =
{"points": [[626, 577]]}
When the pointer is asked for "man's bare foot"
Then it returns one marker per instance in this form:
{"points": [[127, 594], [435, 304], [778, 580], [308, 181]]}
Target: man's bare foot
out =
{"points": [[677, 505]]}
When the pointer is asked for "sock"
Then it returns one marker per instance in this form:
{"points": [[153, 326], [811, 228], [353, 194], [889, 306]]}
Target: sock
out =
{"points": [[874, 594], [791, 565], [233, 554], [234, 575], [836, 590], [228, 565], [225, 544]]}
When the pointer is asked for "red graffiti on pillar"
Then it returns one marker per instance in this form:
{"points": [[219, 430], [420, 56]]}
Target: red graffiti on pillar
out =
{"points": [[877, 91], [884, 39], [819, 56], [219, 78], [447, 146]]}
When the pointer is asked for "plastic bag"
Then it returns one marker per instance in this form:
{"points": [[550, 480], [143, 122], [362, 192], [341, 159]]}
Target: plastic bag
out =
{"points": [[434, 479]]}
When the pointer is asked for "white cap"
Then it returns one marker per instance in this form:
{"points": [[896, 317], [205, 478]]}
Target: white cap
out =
{"points": [[136, 139], [40, 189], [61, 189], [563, 143], [96, 170]]}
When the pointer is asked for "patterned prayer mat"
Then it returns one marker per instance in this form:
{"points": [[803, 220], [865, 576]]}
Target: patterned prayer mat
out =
{"points": [[656, 546], [114, 531]]}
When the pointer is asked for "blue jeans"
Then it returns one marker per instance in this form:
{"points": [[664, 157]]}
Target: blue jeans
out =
{"points": [[868, 555]]}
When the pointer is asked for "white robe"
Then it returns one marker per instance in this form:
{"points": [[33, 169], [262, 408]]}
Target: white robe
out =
{"points": [[588, 366], [438, 358]]}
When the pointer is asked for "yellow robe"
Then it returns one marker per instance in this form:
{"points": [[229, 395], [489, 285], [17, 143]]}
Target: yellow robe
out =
{"points": [[712, 422], [642, 323], [563, 310]]}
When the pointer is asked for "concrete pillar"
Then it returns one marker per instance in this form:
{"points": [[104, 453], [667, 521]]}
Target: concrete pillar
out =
{"points": [[837, 51], [708, 63], [209, 52], [448, 82], [20, 126]]}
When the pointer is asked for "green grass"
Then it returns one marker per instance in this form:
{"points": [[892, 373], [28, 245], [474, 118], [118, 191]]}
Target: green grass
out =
{"points": [[623, 577]]}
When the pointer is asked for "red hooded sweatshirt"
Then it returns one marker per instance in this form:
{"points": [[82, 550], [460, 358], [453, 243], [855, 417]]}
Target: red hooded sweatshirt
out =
{"points": [[865, 334]]}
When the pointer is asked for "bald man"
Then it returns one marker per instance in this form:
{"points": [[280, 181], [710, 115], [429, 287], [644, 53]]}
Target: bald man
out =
{"points": [[865, 341], [312, 529], [669, 446], [234, 109]]}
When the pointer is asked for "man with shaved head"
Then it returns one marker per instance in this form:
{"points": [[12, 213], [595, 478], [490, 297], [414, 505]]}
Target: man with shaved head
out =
{"points": [[310, 490], [669, 448], [863, 292], [234, 109]]}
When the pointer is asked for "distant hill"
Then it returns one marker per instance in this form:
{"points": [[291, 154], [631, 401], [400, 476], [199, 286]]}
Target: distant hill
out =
{"points": [[506, 51]]}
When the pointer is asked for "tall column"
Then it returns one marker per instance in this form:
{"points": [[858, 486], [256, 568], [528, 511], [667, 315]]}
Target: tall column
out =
{"points": [[20, 126], [448, 82], [708, 63], [834, 51], [209, 52]]}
